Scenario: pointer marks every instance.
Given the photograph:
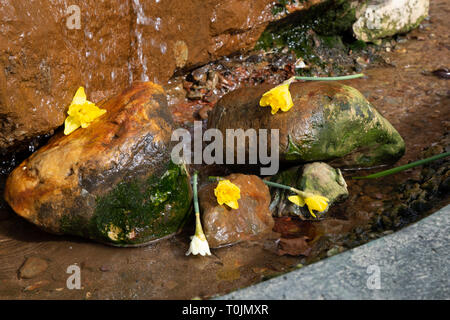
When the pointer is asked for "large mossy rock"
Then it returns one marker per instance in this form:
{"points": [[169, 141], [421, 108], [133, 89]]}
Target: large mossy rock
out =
{"points": [[329, 121], [113, 181]]}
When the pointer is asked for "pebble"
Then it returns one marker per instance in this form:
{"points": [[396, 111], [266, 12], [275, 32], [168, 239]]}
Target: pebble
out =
{"points": [[203, 112], [441, 73], [195, 95], [32, 267], [105, 268], [171, 284], [200, 74]]}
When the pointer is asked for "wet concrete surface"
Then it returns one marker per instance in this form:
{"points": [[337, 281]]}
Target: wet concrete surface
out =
{"points": [[404, 90], [411, 264]]}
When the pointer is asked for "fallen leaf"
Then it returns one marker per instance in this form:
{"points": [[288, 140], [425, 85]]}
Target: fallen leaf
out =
{"points": [[37, 285], [291, 227], [294, 246]]}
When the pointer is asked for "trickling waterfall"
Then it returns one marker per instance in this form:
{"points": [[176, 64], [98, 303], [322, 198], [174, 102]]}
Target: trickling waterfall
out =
{"points": [[141, 19]]}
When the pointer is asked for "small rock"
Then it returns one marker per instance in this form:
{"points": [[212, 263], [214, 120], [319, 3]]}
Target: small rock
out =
{"points": [[251, 221], [32, 267], [213, 80], [200, 74], [363, 62], [300, 64], [381, 19], [442, 73], [333, 251], [378, 195], [316, 178], [180, 52], [105, 268], [194, 95], [203, 112], [171, 284]]}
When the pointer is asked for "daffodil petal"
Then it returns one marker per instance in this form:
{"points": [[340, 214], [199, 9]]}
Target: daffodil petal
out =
{"points": [[264, 102], [71, 124], [297, 200], [84, 125], [90, 112], [278, 98], [316, 202], [312, 213], [198, 246], [232, 204], [79, 97]]}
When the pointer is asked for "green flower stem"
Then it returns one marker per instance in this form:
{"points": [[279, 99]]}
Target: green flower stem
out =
{"points": [[198, 224], [194, 187], [353, 76], [282, 186], [271, 184], [215, 178], [404, 167]]}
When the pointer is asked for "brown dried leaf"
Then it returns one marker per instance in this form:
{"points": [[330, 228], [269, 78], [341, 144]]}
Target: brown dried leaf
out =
{"points": [[294, 246]]}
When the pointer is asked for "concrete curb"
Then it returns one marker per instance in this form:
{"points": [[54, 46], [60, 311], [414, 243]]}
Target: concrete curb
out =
{"points": [[412, 263]]}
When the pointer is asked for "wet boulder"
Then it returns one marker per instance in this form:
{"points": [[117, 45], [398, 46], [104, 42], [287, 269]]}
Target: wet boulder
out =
{"points": [[251, 221], [113, 181], [380, 19], [329, 121], [317, 178]]}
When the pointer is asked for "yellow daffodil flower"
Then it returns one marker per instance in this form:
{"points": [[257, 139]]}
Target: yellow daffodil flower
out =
{"points": [[228, 193], [199, 244], [81, 112], [278, 97], [314, 202]]}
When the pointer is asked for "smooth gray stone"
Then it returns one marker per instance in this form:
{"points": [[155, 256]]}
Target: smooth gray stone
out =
{"points": [[413, 264]]}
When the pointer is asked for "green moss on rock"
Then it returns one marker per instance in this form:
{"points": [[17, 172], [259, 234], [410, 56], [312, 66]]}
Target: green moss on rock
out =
{"points": [[351, 130], [329, 18], [384, 19], [138, 212]]}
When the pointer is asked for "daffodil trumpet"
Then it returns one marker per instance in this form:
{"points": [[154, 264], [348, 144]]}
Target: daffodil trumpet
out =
{"points": [[278, 97], [199, 244], [232, 194], [313, 202], [227, 193]]}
